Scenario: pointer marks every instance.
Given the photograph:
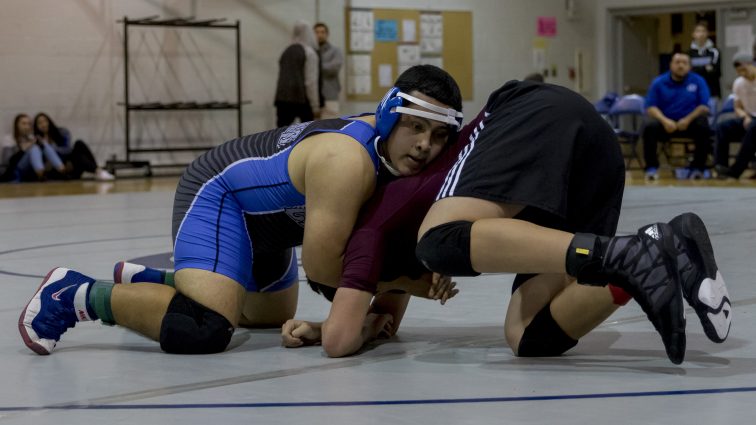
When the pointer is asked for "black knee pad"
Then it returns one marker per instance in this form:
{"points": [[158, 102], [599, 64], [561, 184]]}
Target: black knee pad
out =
{"points": [[188, 327], [445, 249], [543, 337]]}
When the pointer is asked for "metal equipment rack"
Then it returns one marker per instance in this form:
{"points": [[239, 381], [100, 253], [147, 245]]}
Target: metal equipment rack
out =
{"points": [[188, 22]]}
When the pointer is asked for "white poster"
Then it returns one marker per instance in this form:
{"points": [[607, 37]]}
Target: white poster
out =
{"points": [[539, 60], [740, 36], [358, 65], [361, 30], [409, 30], [359, 74], [358, 84], [431, 33], [408, 54], [385, 77]]}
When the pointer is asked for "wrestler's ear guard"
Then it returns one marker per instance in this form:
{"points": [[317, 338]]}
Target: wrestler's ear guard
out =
{"points": [[385, 117], [392, 106]]}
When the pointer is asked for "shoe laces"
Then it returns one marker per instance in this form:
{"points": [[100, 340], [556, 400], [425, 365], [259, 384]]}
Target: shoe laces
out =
{"points": [[632, 260]]}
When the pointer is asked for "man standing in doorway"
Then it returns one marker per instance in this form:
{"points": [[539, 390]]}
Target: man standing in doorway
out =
{"points": [[704, 58], [331, 60]]}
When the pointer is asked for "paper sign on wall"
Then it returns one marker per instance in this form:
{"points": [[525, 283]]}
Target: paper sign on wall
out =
{"points": [[547, 26], [431, 33], [358, 74], [408, 55], [385, 78], [409, 30], [360, 30], [740, 36], [386, 30], [539, 60]]}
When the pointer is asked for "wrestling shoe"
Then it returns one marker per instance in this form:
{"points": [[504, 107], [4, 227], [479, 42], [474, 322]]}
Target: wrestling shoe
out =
{"points": [[125, 272], [60, 302], [645, 266], [702, 284], [647, 262]]}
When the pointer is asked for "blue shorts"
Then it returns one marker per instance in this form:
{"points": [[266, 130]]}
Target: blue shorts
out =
{"points": [[214, 236], [236, 211]]}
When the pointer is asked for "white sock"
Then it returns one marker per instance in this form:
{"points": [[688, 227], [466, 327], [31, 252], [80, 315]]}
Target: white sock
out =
{"points": [[80, 303]]}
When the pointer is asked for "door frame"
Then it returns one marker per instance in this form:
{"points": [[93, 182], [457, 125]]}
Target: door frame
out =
{"points": [[612, 43]]}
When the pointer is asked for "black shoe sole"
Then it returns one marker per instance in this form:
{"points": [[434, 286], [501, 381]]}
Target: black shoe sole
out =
{"points": [[708, 296], [675, 341]]}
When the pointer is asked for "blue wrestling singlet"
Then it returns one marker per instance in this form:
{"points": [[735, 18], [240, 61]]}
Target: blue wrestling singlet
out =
{"points": [[236, 205]]}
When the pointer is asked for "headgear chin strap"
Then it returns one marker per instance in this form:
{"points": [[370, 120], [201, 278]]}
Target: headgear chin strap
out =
{"points": [[384, 161]]}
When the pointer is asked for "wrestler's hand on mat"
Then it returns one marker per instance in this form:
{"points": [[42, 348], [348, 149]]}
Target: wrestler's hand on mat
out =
{"points": [[442, 288], [378, 326], [298, 333]]}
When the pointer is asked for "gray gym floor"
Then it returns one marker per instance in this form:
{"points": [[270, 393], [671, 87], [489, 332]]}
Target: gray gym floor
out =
{"points": [[448, 364]]}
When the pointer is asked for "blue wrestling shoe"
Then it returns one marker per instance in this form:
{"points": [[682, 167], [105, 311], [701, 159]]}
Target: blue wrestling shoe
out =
{"points": [[702, 284], [58, 304], [124, 272]]}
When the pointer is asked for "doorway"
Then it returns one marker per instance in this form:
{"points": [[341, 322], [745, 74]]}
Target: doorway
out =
{"points": [[643, 38]]}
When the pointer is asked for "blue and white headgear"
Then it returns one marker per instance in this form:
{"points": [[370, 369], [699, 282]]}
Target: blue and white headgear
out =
{"points": [[391, 107]]}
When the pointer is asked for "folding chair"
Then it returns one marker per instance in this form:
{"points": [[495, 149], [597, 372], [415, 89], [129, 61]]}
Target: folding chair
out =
{"points": [[680, 150], [626, 116], [604, 104]]}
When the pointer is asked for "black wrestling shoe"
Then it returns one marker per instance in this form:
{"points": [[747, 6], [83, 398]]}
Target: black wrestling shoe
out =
{"points": [[645, 265]]}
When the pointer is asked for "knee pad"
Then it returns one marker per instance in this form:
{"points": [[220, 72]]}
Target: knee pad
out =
{"points": [[543, 337], [188, 327], [445, 249]]}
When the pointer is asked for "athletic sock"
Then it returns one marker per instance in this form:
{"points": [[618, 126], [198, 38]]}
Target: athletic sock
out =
{"points": [[151, 275], [98, 302], [84, 311], [168, 278], [619, 296]]}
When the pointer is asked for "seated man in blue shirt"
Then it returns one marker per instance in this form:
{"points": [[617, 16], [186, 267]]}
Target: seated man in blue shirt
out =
{"points": [[676, 104]]}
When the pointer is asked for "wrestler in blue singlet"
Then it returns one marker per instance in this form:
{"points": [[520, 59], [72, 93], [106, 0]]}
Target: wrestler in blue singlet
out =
{"points": [[236, 206]]}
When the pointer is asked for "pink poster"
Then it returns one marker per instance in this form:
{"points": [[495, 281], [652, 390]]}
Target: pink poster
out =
{"points": [[547, 26]]}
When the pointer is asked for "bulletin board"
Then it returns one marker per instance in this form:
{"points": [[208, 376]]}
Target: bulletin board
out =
{"points": [[371, 51]]}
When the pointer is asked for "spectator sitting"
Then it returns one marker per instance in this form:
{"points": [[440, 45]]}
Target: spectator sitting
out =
{"points": [[744, 125], [677, 106], [78, 157], [25, 159]]}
